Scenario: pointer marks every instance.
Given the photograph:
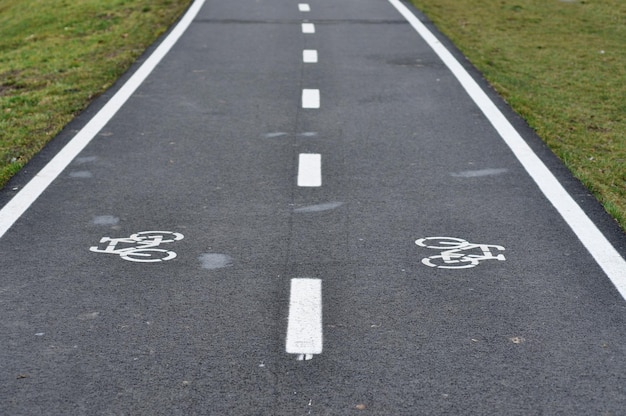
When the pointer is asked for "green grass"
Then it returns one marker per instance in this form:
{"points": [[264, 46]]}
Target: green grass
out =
{"points": [[57, 55], [562, 66]]}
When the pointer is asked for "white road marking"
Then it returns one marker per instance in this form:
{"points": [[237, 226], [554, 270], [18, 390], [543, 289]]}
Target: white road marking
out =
{"points": [[309, 56], [310, 170], [310, 98], [140, 247], [591, 237], [308, 28], [304, 327], [452, 248], [304, 7], [14, 209]]}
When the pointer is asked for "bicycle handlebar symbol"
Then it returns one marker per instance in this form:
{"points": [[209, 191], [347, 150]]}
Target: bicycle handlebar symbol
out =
{"points": [[453, 254], [141, 246]]}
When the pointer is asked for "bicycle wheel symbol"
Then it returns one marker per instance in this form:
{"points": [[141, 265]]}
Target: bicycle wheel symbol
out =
{"points": [[162, 236], [450, 262], [148, 255], [441, 243], [141, 247], [454, 252]]}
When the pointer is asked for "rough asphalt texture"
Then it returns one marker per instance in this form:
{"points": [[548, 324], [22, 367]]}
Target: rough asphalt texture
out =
{"points": [[208, 147]]}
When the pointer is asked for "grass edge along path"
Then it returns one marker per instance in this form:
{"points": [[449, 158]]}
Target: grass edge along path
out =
{"points": [[561, 65], [56, 56]]}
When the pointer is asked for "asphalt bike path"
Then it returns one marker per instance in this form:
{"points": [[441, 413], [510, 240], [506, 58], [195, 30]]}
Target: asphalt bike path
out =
{"points": [[302, 210]]}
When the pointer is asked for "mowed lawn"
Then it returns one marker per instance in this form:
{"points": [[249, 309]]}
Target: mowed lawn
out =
{"points": [[58, 55], [561, 64]]}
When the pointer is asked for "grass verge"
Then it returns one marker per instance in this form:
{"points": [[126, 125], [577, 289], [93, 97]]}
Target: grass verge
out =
{"points": [[561, 64], [57, 55]]}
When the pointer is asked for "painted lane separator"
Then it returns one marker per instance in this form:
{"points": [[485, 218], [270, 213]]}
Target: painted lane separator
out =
{"points": [[304, 7], [310, 98], [309, 56], [304, 327], [308, 28], [607, 257], [310, 170], [37, 185]]}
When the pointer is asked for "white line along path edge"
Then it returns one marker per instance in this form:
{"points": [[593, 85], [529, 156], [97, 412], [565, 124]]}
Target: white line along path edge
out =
{"points": [[38, 184], [304, 327], [592, 238]]}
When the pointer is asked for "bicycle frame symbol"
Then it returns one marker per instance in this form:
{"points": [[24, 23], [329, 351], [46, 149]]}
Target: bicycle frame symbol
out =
{"points": [[141, 246], [453, 254]]}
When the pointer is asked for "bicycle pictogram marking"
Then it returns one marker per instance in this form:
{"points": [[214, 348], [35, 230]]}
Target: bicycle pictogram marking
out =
{"points": [[454, 252], [140, 247]]}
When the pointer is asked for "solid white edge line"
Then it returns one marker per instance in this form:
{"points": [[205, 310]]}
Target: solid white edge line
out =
{"points": [[16, 207], [310, 98], [310, 170], [309, 56], [304, 326], [591, 237]]}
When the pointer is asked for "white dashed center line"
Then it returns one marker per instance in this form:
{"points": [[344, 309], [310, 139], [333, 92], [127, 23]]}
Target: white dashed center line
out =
{"points": [[309, 56], [310, 170], [310, 98], [304, 327], [308, 28]]}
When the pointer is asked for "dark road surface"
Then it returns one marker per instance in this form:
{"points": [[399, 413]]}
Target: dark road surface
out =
{"points": [[253, 233]]}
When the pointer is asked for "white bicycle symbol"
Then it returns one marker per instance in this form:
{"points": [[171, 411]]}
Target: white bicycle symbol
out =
{"points": [[453, 254], [142, 246]]}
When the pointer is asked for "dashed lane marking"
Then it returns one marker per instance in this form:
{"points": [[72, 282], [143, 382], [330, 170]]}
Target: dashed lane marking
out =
{"points": [[309, 56], [308, 28], [310, 170], [304, 327], [310, 98], [304, 7]]}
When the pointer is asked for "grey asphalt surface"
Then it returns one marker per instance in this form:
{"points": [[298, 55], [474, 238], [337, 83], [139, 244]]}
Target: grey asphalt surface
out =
{"points": [[208, 147]]}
